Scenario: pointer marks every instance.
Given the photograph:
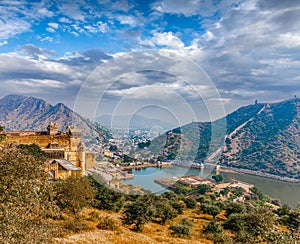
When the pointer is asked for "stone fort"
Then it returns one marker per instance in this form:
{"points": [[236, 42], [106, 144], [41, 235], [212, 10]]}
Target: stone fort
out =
{"points": [[65, 150]]}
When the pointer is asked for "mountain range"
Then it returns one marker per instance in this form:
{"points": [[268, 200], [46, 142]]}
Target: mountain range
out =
{"points": [[263, 137], [133, 122], [260, 137], [18, 112]]}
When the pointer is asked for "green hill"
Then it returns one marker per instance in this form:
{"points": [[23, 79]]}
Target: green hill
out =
{"points": [[262, 137], [269, 143]]}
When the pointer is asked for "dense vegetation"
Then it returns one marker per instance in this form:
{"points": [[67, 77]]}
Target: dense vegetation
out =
{"points": [[32, 209]]}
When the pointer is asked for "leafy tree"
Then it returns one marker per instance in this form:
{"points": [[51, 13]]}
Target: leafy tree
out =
{"points": [[105, 197], [238, 191], [235, 222], [142, 145], [113, 148], [210, 209], [178, 206], [33, 150], [190, 202], [74, 193], [182, 229], [218, 178], [128, 159], [146, 208], [284, 210], [2, 136], [139, 212], [225, 191], [163, 211], [202, 189], [213, 228], [252, 226], [26, 198], [234, 207], [293, 220]]}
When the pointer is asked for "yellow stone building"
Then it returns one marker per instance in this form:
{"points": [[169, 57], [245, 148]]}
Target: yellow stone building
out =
{"points": [[65, 150]]}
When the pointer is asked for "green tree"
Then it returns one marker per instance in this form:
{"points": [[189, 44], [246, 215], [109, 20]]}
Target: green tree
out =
{"points": [[252, 226], [2, 136], [218, 178], [163, 211], [74, 193], [190, 202], [213, 228], [202, 189], [257, 192], [234, 207], [182, 229], [210, 209], [33, 150], [113, 148], [139, 212], [293, 220], [235, 222], [26, 198], [105, 197]]}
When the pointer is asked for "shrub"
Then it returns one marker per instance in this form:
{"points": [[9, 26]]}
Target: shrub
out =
{"points": [[139, 212], [177, 206], [107, 223], [190, 202], [25, 197], [74, 193], [213, 227], [210, 209], [163, 211], [202, 189], [182, 229], [251, 226], [105, 198], [76, 225], [234, 207], [218, 178]]}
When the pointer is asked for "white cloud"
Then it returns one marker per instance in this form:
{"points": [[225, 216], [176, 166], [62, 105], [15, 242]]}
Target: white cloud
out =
{"points": [[47, 39], [127, 20], [39, 83], [103, 27], [2, 43], [45, 12], [64, 20], [72, 10], [209, 36], [53, 25], [186, 7], [167, 39], [12, 27], [98, 27], [49, 29], [289, 40]]}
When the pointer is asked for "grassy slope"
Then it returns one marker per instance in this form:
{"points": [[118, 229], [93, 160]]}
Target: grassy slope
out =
{"points": [[152, 233]]}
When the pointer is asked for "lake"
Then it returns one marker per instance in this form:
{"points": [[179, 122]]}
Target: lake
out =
{"points": [[288, 193]]}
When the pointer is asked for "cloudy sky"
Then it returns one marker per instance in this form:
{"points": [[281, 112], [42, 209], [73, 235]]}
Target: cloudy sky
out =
{"points": [[195, 59]]}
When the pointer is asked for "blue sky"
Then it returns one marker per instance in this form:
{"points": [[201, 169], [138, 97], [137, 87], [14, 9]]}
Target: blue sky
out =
{"points": [[247, 49]]}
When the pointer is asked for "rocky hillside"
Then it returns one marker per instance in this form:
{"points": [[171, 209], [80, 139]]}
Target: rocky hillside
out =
{"points": [[260, 137], [270, 142], [28, 113]]}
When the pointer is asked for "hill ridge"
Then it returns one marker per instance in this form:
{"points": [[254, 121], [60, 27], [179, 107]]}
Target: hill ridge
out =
{"points": [[261, 137], [18, 112]]}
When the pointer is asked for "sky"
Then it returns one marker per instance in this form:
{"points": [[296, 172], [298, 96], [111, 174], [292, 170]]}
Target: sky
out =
{"points": [[185, 59]]}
